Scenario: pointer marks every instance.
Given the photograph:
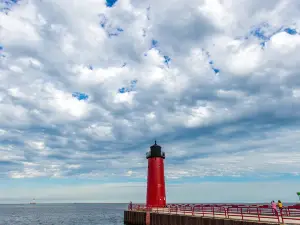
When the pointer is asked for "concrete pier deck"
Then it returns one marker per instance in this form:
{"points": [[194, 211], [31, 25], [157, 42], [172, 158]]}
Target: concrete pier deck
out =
{"points": [[286, 220], [161, 217]]}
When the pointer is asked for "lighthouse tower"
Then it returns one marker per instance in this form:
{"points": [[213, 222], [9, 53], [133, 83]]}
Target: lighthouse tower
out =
{"points": [[156, 191]]}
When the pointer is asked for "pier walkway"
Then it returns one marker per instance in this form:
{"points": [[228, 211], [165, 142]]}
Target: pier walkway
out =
{"points": [[258, 213]]}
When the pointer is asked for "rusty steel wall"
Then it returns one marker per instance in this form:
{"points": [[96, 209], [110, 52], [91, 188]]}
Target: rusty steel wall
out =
{"points": [[135, 218], [139, 218]]}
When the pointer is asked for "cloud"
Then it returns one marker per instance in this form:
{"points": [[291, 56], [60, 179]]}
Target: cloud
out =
{"points": [[86, 87]]}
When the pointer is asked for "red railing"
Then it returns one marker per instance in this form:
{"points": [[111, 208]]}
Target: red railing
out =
{"points": [[253, 213], [290, 214], [210, 210]]}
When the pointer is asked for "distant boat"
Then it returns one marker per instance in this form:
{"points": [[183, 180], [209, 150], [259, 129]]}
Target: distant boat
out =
{"points": [[32, 202]]}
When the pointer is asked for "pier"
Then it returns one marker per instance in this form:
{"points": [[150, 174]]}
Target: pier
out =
{"points": [[157, 212], [199, 214]]}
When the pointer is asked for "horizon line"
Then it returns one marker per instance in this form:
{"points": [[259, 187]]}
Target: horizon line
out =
{"points": [[288, 202]]}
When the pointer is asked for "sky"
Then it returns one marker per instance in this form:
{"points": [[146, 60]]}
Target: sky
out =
{"points": [[87, 86]]}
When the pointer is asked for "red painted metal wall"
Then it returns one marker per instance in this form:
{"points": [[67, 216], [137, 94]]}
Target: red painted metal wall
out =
{"points": [[156, 190]]}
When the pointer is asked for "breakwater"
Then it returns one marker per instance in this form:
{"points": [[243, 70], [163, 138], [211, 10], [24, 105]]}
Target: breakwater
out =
{"points": [[139, 218], [210, 215]]}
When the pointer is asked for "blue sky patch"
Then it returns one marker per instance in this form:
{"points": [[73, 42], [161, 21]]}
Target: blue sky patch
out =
{"points": [[262, 31], [6, 5], [80, 96], [9, 3], [133, 82], [154, 43], [210, 61], [123, 90], [1, 51], [110, 3], [265, 32], [128, 89], [115, 33], [216, 70], [110, 31], [260, 34], [167, 60], [103, 20], [290, 31], [263, 44]]}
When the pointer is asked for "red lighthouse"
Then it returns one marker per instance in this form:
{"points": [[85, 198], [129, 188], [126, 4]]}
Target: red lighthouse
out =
{"points": [[156, 191]]}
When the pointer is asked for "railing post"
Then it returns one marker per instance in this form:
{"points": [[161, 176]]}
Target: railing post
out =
{"points": [[277, 214], [242, 213], [281, 214], [213, 210], [258, 214], [193, 210]]}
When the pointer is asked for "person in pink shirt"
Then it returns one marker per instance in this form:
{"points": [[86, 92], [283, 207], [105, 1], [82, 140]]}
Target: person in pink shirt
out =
{"points": [[274, 206]]}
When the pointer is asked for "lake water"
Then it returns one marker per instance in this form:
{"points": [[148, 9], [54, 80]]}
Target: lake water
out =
{"points": [[62, 214]]}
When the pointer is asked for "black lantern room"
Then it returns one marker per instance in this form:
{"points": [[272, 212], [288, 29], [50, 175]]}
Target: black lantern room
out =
{"points": [[155, 151]]}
